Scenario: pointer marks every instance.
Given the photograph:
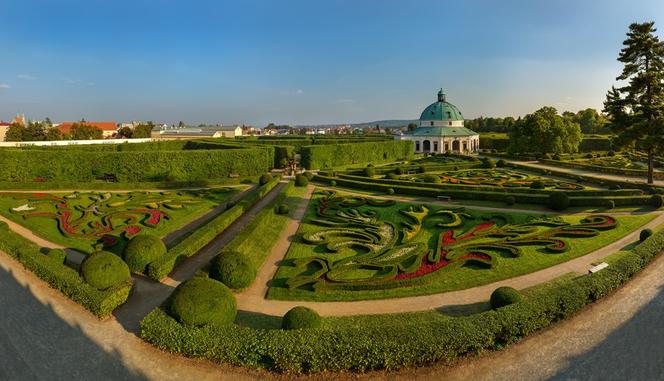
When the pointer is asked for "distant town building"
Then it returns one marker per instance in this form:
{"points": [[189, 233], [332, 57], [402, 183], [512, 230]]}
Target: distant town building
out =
{"points": [[108, 129], [441, 130], [3, 130], [180, 133], [19, 119]]}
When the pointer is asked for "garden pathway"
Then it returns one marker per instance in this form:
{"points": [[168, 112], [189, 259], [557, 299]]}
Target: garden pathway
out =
{"points": [[148, 294], [577, 171]]}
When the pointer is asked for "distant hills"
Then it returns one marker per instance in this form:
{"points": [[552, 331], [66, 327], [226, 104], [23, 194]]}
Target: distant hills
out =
{"points": [[389, 123]]}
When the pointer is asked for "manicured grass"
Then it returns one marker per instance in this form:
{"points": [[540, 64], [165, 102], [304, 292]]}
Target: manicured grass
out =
{"points": [[258, 238], [47, 227], [533, 258]]}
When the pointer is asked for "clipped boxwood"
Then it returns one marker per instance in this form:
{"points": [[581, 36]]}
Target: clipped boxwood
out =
{"points": [[265, 178], [433, 179], [558, 201], [369, 171], [656, 201], [282, 209], [645, 234], [390, 190], [333, 183], [537, 184], [57, 255], [203, 301], [300, 318], [143, 250], [103, 270], [504, 296], [301, 180], [233, 269], [309, 175]]}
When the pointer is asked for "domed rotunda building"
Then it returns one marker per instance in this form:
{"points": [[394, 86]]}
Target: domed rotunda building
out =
{"points": [[441, 130]]}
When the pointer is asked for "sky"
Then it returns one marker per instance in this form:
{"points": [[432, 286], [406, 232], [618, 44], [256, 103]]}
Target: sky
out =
{"points": [[307, 61]]}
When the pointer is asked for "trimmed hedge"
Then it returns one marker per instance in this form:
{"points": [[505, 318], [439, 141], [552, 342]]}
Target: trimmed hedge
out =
{"points": [[203, 301], [195, 241], [57, 255], [467, 192], [104, 270], [142, 250], [504, 296], [558, 201], [265, 178], [64, 278], [605, 169], [334, 155], [645, 234], [301, 180], [133, 166], [300, 318], [409, 342], [232, 269]]}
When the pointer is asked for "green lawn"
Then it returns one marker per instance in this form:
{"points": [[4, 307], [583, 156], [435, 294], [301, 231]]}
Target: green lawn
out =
{"points": [[533, 258], [181, 207], [258, 238]]}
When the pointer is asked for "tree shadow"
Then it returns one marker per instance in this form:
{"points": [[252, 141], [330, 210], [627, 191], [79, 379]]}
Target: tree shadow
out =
{"points": [[37, 344], [632, 352]]}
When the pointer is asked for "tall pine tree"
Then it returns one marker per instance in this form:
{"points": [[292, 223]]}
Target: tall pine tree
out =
{"points": [[637, 109]]}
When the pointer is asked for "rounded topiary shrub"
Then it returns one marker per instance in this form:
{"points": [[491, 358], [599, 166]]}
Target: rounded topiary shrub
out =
{"points": [[645, 233], [610, 204], [333, 183], [203, 301], [57, 255], [431, 179], [501, 163], [102, 270], [232, 269], [558, 201], [282, 209], [504, 296], [611, 153], [301, 180], [265, 178], [399, 171], [537, 184], [422, 168], [656, 201], [300, 318], [369, 172], [488, 163], [308, 175], [510, 200], [142, 250], [390, 190]]}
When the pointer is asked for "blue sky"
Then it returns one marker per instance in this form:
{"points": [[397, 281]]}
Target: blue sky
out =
{"points": [[301, 62]]}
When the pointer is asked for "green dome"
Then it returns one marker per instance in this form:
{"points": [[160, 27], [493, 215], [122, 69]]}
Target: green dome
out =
{"points": [[441, 110]]}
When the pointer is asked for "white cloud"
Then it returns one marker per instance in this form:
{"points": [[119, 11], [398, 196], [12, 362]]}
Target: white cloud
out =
{"points": [[71, 81], [5, 86], [290, 92], [27, 77], [345, 101]]}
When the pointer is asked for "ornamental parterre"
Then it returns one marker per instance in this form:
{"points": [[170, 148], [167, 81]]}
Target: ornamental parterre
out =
{"points": [[388, 256]]}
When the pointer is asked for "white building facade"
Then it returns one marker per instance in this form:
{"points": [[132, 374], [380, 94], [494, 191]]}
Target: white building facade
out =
{"points": [[441, 130]]}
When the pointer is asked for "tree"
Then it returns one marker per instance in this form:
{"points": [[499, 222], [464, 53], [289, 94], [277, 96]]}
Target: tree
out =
{"points": [[636, 110], [35, 131], [544, 131], [81, 131], [142, 130], [411, 127], [125, 132], [54, 134], [15, 133]]}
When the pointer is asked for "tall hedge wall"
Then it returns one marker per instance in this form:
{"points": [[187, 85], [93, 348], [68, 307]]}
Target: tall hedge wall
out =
{"points": [[332, 155], [133, 166], [588, 144]]}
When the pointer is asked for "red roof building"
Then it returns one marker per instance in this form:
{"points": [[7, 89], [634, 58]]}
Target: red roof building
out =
{"points": [[108, 128]]}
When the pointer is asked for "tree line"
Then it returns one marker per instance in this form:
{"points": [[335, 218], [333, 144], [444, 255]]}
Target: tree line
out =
{"points": [[44, 131]]}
